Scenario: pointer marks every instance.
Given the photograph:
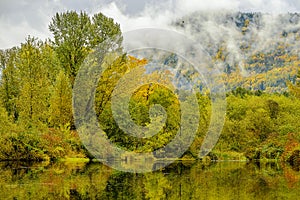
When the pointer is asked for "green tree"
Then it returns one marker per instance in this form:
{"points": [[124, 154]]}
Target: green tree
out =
{"points": [[50, 60], [295, 89], [32, 102], [9, 84], [76, 34], [61, 101]]}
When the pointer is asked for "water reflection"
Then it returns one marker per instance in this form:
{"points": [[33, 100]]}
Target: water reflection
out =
{"points": [[181, 180]]}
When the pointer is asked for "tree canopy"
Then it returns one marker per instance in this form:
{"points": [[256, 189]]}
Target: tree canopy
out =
{"points": [[76, 34]]}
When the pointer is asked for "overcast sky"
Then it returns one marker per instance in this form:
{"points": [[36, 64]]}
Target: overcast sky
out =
{"points": [[19, 18]]}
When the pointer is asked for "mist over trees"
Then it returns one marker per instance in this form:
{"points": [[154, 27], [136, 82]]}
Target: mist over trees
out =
{"points": [[259, 51]]}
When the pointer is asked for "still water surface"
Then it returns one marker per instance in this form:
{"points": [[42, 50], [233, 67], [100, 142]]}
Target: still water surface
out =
{"points": [[181, 180]]}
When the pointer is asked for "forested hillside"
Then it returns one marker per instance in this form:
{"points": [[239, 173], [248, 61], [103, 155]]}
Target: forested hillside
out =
{"points": [[259, 51]]}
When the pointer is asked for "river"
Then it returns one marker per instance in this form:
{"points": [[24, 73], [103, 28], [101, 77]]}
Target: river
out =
{"points": [[180, 180]]}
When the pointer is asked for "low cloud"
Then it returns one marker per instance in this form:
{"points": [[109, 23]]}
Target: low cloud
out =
{"points": [[21, 18], [161, 13]]}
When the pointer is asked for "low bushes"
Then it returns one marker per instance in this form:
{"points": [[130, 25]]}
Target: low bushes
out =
{"points": [[35, 145]]}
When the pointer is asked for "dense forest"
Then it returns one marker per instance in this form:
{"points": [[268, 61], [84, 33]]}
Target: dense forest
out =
{"points": [[37, 78]]}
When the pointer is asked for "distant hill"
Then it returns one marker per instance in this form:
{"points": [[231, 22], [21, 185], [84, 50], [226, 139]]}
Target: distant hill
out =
{"points": [[258, 51]]}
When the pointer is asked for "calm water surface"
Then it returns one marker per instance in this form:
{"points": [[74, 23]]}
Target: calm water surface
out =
{"points": [[181, 180]]}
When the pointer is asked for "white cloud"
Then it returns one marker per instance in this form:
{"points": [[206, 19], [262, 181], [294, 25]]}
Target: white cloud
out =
{"points": [[15, 35], [21, 18], [273, 6], [18, 19], [152, 17], [161, 13], [186, 7]]}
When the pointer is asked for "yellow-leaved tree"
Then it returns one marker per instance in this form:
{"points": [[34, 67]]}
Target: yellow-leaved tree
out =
{"points": [[61, 101]]}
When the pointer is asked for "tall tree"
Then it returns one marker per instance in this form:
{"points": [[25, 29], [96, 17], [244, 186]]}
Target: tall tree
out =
{"points": [[50, 61], [34, 85], [9, 85], [61, 101], [76, 34]]}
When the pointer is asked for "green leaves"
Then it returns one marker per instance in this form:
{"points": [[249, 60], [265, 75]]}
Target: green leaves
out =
{"points": [[61, 101], [32, 101], [75, 35], [9, 88]]}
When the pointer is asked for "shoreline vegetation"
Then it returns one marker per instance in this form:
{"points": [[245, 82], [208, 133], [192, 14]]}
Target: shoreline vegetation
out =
{"points": [[36, 121]]}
